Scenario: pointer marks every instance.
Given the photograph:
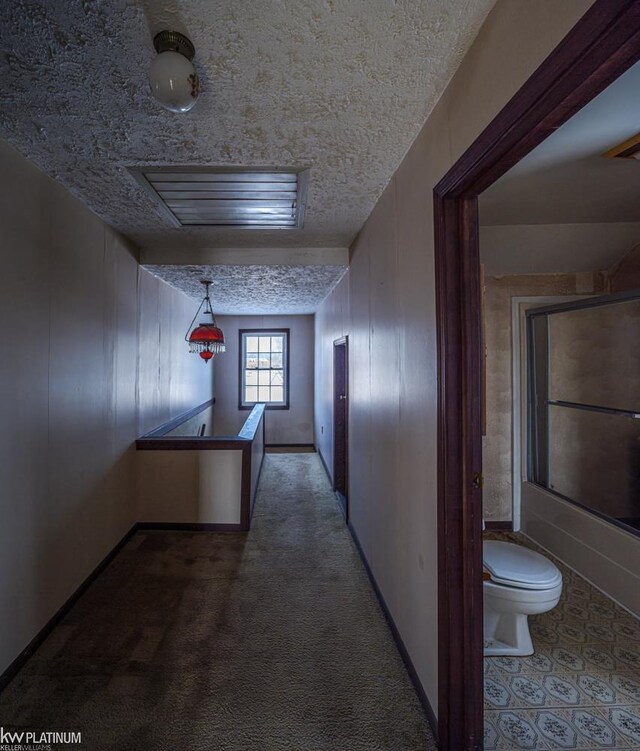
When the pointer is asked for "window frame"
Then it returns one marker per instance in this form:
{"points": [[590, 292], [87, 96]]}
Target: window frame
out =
{"points": [[242, 334]]}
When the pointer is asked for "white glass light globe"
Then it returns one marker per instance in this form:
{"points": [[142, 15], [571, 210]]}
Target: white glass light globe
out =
{"points": [[174, 81]]}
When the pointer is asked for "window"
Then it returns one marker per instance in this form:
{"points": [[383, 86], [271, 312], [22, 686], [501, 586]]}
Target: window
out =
{"points": [[584, 405], [264, 368]]}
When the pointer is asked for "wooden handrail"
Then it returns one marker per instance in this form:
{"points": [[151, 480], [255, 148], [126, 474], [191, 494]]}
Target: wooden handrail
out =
{"points": [[175, 422], [158, 439], [251, 424]]}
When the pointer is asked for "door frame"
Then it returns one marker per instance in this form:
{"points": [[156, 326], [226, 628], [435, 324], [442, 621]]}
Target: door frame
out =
{"points": [[601, 46], [343, 341]]}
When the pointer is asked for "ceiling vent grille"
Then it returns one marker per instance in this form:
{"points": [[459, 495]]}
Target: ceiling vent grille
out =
{"points": [[217, 197]]}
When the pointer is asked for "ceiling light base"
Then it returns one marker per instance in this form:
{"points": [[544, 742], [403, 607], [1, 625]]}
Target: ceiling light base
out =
{"points": [[174, 41]]}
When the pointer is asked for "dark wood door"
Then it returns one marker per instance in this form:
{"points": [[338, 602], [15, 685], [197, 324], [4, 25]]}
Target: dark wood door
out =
{"points": [[340, 422]]}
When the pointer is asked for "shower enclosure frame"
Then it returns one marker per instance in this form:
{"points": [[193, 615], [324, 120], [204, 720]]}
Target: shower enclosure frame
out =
{"points": [[532, 440]]}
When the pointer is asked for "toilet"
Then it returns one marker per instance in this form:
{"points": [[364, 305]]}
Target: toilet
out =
{"points": [[520, 583]]}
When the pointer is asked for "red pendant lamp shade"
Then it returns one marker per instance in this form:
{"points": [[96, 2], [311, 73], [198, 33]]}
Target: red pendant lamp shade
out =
{"points": [[206, 339]]}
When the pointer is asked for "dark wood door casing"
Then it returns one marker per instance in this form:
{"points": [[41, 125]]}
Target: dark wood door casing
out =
{"points": [[602, 45], [340, 421]]}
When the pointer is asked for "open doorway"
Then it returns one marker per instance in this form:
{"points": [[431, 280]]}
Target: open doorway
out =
{"points": [[341, 423], [600, 48]]}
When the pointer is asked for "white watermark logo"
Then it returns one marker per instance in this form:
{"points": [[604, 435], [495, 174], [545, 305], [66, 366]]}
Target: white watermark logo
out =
{"points": [[37, 740]]}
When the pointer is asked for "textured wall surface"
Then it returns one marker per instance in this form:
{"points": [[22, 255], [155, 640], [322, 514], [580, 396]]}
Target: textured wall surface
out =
{"points": [[293, 425], [76, 310], [389, 314], [171, 380], [626, 275], [259, 290], [497, 456], [340, 87]]}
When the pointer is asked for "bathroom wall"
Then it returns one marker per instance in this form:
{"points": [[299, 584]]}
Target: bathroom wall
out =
{"points": [[497, 444], [387, 307], [86, 360], [625, 275], [285, 426]]}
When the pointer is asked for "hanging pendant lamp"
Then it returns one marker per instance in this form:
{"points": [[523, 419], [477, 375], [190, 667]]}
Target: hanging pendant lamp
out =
{"points": [[206, 339]]}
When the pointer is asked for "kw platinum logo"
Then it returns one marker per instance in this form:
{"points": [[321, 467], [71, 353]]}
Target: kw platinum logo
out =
{"points": [[37, 740]]}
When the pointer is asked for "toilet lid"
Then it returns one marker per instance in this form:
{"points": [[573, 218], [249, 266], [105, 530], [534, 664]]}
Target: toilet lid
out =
{"points": [[518, 566]]}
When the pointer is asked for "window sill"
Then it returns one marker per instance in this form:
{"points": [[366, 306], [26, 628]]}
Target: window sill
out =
{"points": [[266, 406]]}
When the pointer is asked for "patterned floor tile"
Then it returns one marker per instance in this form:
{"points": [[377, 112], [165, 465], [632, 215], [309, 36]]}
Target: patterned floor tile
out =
{"points": [[508, 665], [577, 729], [512, 730], [601, 689], [496, 694], [626, 630], [580, 689], [627, 686], [527, 691], [491, 736], [626, 720]]}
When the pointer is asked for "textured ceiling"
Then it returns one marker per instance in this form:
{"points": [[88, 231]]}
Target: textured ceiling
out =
{"points": [[246, 289], [339, 86]]}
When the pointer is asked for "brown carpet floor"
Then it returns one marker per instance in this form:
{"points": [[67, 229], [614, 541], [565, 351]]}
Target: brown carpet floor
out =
{"points": [[271, 641]]}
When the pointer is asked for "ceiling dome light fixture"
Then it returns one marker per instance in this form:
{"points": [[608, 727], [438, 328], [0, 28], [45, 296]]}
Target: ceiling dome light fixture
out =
{"points": [[174, 81], [206, 339]]}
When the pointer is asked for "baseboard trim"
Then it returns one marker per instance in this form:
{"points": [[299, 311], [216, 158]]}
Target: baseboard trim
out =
{"points": [[289, 448], [498, 526], [290, 445], [417, 684], [190, 527], [14, 668]]}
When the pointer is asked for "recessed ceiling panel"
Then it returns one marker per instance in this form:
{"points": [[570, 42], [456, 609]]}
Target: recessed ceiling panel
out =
{"points": [[242, 198], [341, 87], [255, 289]]}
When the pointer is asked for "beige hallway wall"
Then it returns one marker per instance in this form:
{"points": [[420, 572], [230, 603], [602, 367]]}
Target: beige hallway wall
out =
{"points": [[75, 309], [331, 323], [389, 314], [293, 425]]}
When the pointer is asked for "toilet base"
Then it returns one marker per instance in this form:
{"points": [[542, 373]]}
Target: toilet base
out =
{"points": [[507, 634], [495, 648]]}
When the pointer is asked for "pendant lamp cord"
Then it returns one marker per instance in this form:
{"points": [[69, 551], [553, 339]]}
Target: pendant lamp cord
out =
{"points": [[207, 311]]}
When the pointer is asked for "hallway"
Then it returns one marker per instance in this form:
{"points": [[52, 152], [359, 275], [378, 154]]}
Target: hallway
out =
{"points": [[273, 640]]}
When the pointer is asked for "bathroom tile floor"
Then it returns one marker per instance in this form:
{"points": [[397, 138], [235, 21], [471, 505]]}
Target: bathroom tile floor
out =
{"points": [[581, 687]]}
